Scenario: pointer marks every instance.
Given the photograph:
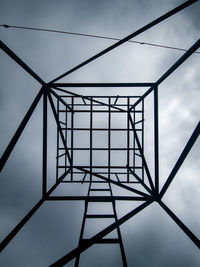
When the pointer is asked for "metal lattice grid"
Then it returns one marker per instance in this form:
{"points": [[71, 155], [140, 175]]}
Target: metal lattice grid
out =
{"points": [[151, 190], [100, 138]]}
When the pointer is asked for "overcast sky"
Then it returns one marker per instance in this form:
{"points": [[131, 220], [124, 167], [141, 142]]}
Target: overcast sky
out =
{"points": [[151, 238]]}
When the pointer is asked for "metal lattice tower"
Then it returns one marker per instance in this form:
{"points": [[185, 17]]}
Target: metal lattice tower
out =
{"points": [[76, 117]]}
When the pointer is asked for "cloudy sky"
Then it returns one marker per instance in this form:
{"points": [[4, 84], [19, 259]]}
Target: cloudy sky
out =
{"points": [[151, 238]]}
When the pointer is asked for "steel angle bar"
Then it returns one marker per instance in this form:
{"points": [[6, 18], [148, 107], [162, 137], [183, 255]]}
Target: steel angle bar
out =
{"points": [[140, 121], [187, 231], [91, 141], [72, 137], [185, 56], [97, 198], [61, 100], [127, 38], [19, 226], [114, 182], [117, 177], [143, 158], [59, 180], [59, 127], [128, 139], [58, 143], [156, 140], [88, 98], [19, 131], [147, 84], [10, 53], [140, 180], [85, 245], [57, 157], [116, 100], [84, 177], [123, 254], [109, 139], [83, 100], [181, 159], [44, 145]]}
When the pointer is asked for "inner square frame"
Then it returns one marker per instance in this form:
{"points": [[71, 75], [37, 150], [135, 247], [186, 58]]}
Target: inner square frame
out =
{"points": [[69, 105], [107, 118]]}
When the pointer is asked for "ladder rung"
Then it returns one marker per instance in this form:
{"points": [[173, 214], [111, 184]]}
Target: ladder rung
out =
{"points": [[100, 189], [104, 241], [100, 216], [101, 199]]}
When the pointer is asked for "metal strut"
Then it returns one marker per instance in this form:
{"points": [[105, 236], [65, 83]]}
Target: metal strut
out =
{"points": [[99, 217]]}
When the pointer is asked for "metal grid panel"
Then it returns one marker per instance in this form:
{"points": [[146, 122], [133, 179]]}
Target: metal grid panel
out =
{"points": [[100, 137]]}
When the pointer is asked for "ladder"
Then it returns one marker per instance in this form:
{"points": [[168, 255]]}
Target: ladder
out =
{"points": [[99, 216]]}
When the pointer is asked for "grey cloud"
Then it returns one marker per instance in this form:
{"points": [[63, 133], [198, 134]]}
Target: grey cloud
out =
{"points": [[151, 238]]}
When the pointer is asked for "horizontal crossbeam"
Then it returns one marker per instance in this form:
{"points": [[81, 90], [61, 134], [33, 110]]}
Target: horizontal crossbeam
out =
{"points": [[103, 84], [97, 198]]}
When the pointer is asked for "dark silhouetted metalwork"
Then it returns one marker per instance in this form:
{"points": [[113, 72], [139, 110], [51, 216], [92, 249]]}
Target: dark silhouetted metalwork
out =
{"points": [[67, 107]]}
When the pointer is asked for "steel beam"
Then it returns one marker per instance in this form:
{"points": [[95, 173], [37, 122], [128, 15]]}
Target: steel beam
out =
{"points": [[147, 84], [19, 131], [185, 56], [61, 100], [141, 30], [141, 152], [87, 98], [77, 251], [97, 198], [44, 144], [10, 53], [181, 159], [156, 140], [19, 226], [169, 71], [187, 231], [113, 182], [140, 180], [59, 127]]}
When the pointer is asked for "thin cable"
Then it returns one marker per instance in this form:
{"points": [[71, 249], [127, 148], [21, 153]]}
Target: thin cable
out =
{"points": [[94, 36]]}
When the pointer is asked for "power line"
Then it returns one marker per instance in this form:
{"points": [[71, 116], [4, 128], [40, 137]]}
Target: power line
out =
{"points": [[93, 36]]}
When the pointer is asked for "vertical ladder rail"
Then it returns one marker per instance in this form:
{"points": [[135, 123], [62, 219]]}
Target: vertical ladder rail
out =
{"points": [[99, 216], [119, 232], [82, 227]]}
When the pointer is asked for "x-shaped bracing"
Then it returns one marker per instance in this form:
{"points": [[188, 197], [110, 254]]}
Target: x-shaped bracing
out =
{"points": [[48, 91]]}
